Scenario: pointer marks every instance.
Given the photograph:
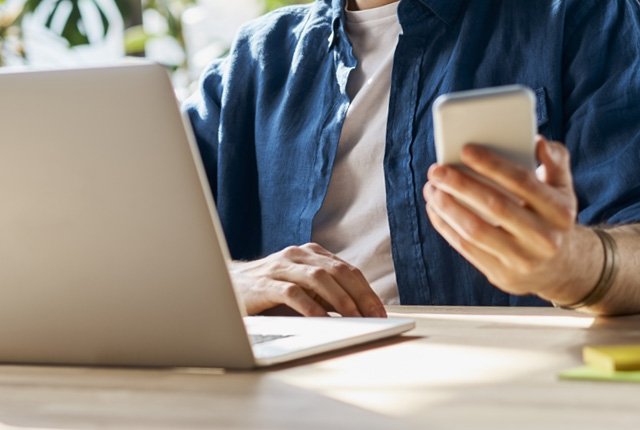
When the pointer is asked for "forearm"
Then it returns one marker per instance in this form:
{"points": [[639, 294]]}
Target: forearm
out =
{"points": [[585, 262]]}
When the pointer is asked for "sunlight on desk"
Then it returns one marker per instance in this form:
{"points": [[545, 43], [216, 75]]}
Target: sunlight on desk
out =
{"points": [[384, 384], [459, 355], [521, 320]]}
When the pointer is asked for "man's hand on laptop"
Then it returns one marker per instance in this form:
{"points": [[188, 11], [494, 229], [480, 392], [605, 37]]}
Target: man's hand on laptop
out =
{"points": [[308, 279]]}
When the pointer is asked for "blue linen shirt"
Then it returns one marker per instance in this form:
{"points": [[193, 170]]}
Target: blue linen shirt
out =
{"points": [[268, 119]]}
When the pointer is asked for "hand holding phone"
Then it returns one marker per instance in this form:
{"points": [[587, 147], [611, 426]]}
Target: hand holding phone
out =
{"points": [[502, 118]]}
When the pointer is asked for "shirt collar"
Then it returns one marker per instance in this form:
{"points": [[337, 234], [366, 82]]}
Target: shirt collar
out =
{"points": [[446, 10]]}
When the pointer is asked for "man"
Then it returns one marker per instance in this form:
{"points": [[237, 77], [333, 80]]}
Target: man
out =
{"points": [[316, 135]]}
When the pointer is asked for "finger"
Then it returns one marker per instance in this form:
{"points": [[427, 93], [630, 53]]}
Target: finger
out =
{"points": [[280, 310], [527, 228], [556, 160], [297, 299], [316, 248], [473, 229], [555, 170], [322, 302], [318, 281], [480, 259], [553, 205], [349, 278], [355, 284]]}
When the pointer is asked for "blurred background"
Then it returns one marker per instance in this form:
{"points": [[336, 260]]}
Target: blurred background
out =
{"points": [[184, 35]]}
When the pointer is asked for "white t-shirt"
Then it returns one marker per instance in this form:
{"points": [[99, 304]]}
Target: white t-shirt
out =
{"points": [[353, 221]]}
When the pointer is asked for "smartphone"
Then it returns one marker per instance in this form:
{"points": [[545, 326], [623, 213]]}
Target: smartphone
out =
{"points": [[501, 118]]}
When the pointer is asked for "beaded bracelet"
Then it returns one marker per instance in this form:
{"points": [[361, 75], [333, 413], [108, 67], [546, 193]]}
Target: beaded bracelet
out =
{"points": [[607, 276]]}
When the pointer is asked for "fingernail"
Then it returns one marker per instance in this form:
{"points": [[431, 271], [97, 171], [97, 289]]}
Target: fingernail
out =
{"points": [[554, 153], [380, 313], [469, 153], [427, 191], [439, 173]]}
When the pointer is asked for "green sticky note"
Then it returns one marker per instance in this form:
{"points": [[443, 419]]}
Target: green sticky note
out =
{"points": [[590, 373]]}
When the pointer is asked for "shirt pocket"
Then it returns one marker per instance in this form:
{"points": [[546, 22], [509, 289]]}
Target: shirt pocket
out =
{"points": [[542, 112]]}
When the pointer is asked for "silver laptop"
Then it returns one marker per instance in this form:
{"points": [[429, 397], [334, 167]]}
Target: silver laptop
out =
{"points": [[111, 251]]}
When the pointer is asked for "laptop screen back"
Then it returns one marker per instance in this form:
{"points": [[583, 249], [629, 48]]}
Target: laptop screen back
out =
{"points": [[108, 247]]}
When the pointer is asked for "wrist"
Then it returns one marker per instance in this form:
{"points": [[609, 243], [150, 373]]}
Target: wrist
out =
{"points": [[611, 263], [579, 268]]}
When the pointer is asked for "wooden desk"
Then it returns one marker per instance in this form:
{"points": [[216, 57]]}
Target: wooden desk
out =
{"points": [[480, 368]]}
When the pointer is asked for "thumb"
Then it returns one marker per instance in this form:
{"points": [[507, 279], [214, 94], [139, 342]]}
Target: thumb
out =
{"points": [[555, 167]]}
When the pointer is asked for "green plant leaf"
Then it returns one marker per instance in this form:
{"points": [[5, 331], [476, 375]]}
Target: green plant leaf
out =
{"points": [[124, 6], [104, 19], [52, 14], [31, 5], [274, 4], [73, 30]]}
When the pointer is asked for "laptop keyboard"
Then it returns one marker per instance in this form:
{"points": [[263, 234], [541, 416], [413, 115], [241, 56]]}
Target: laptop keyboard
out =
{"points": [[262, 338]]}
